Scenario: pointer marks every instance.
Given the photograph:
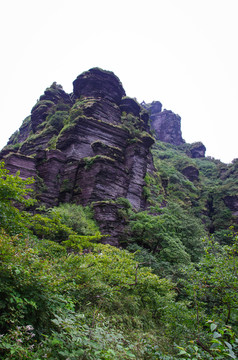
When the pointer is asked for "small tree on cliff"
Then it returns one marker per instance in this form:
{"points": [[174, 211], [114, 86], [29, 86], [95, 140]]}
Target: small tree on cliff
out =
{"points": [[14, 191]]}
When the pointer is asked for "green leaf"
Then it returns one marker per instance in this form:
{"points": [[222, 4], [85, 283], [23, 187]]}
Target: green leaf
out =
{"points": [[228, 345], [183, 352], [231, 354], [213, 326], [216, 335]]}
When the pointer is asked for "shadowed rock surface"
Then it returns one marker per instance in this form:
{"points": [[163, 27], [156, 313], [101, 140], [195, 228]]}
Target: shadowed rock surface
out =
{"points": [[191, 172], [197, 150], [167, 127], [232, 203], [166, 124]]}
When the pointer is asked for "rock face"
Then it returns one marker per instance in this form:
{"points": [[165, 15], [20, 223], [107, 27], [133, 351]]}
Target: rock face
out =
{"points": [[197, 150], [52, 96], [167, 127], [166, 124], [92, 146], [191, 172], [99, 84], [232, 203]]}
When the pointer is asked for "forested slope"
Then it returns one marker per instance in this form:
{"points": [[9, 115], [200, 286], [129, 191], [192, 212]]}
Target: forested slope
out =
{"points": [[66, 296]]}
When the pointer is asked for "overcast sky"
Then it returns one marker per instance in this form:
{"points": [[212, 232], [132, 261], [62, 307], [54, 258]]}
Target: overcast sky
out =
{"points": [[180, 52]]}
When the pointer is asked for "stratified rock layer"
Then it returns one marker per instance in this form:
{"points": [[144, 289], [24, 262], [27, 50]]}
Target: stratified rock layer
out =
{"points": [[99, 84]]}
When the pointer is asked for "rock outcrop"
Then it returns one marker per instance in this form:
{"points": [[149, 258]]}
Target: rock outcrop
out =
{"points": [[191, 172], [166, 124], [92, 146], [232, 203], [197, 150]]}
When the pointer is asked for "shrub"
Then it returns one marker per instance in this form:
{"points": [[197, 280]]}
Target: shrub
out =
{"points": [[78, 218], [47, 228], [14, 193]]}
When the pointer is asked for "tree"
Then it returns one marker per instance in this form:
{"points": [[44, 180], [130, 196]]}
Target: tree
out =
{"points": [[14, 193], [213, 283]]}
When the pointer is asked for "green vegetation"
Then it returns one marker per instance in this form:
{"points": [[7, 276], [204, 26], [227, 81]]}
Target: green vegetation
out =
{"points": [[89, 161], [13, 190], [173, 235], [168, 295], [76, 217]]}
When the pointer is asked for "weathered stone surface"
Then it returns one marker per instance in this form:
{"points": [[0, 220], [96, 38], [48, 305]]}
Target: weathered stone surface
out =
{"points": [[110, 222], [167, 127], [154, 107], [22, 134], [31, 146], [99, 84], [191, 172], [39, 113], [197, 150], [18, 162], [102, 110], [76, 142], [53, 96], [166, 124], [56, 94], [137, 167], [130, 106], [49, 166]]}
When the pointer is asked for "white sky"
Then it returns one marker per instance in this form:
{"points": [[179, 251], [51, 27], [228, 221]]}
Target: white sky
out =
{"points": [[183, 53]]}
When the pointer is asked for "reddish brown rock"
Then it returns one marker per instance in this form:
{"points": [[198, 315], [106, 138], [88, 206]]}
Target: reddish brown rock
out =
{"points": [[49, 165], [110, 222], [24, 164]]}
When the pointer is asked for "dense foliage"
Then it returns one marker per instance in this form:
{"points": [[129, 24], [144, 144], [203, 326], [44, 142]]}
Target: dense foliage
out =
{"points": [[170, 293]]}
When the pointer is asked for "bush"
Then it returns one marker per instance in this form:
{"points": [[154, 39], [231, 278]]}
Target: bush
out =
{"points": [[52, 229], [76, 217], [14, 194]]}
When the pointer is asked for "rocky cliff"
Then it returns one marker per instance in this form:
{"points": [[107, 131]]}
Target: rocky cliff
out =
{"points": [[91, 146], [166, 124]]}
